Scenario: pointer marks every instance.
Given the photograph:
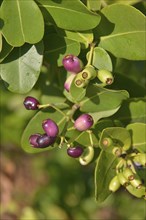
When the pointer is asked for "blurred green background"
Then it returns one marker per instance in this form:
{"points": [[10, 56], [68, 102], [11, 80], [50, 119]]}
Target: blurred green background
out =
{"points": [[50, 185]]}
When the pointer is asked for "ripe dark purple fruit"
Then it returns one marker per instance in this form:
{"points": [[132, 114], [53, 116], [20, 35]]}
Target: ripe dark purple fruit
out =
{"points": [[72, 63], [75, 151], [31, 103], [50, 127], [33, 139], [83, 122], [45, 141]]}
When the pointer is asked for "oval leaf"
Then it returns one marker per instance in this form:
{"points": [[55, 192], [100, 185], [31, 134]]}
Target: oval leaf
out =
{"points": [[101, 59], [35, 126], [102, 100], [126, 39], [23, 22], [104, 172], [71, 16], [138, 132], [21, 68]]}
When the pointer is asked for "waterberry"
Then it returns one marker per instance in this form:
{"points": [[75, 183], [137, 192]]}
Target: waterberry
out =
{"points": [[45, 141], [114, 184], [83, 122], [105, 77], [50, 127], [33, 139], [31, 103], [72, 63], [75, 151]]}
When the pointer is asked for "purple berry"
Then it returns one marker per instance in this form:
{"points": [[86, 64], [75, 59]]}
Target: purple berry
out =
{"points": [[83, 122], [50, 127], [33, 139], [75, 151], [31, 103], [68, 82], [72, 63], [45, 141]]}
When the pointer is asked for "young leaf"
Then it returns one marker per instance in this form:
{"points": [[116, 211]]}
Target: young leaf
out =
{"points": [[21, 69], [138, 132], [126, 39], [35, 126], [100, 100], [94, 5], [101, 59], [68, 15], [104, 172], [23, 22], [57, 47]]}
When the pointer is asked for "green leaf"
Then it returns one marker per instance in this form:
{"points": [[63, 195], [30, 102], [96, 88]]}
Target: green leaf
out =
{"points": [[125, 39], [138, 132], [57, 47], [132, 110], [0, 42], [119, 134], [35, 126], [23, 22], [94, 5], [6, 49], [101, 59], [21, 68], [104, 172], [102, 100], [85, 37], [71, 16]]}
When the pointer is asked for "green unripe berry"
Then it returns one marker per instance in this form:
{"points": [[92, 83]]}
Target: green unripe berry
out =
{"points": [[88, 73], [117, 151], [136, 182], [128, 174], [122, 179], [140, 158], [136, 192], [107, 142], [87, 156], [114, 184], [105, 77], [80, 82]]}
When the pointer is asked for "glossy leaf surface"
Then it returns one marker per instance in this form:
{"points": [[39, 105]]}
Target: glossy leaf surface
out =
{"points": [[70, 16], [21, 68], [124, 40], [99, 99], [23, 22]]}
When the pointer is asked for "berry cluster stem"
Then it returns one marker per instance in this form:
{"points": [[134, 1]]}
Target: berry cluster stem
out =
{"points": [[91, 53]]}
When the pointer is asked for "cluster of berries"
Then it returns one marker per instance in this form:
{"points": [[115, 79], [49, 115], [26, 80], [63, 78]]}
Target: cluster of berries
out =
{"points": [[83, 75], [82, 123]]}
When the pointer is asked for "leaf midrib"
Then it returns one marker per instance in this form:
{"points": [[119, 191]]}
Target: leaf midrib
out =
{"points": [[66, 9], [121, 34], [19, 12]]}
